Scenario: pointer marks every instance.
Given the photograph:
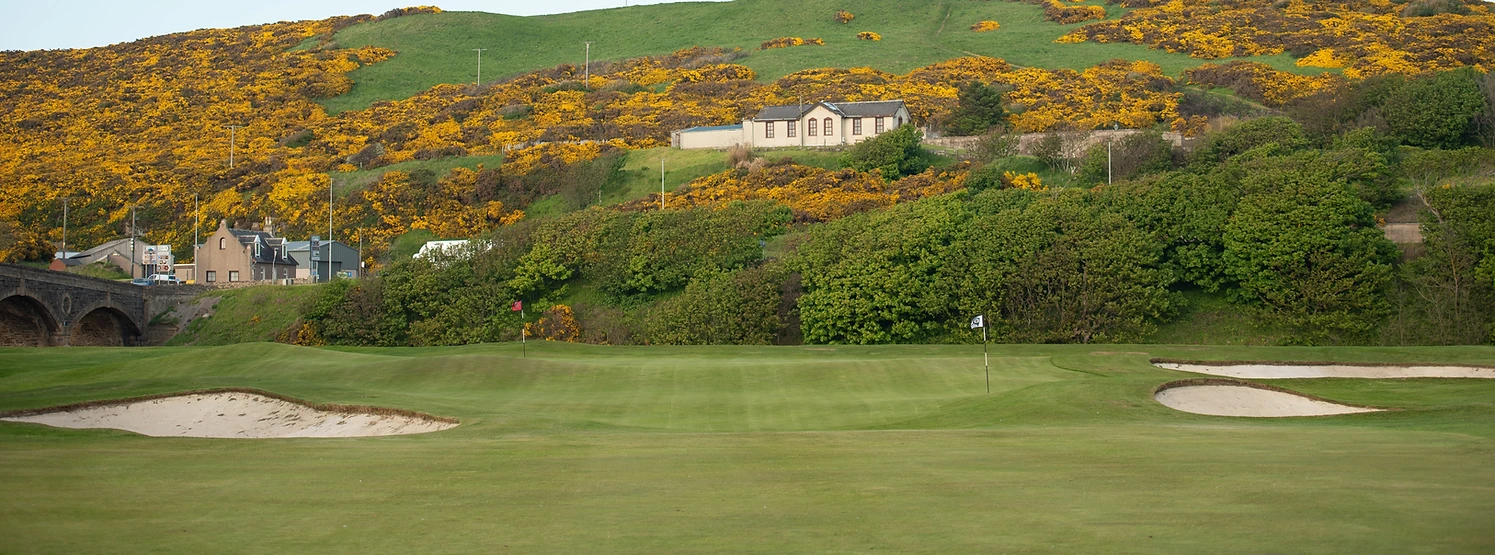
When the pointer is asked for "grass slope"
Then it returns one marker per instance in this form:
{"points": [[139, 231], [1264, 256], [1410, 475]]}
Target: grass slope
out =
{"points": [[755, 450], [436, 48], [248, 314]]}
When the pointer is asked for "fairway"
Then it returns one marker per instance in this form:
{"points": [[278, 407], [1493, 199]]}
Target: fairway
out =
{"points": [[833, 449]]}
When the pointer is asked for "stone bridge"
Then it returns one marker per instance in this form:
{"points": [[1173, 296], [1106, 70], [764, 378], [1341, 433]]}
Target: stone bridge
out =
{"points": [[40, 308]]}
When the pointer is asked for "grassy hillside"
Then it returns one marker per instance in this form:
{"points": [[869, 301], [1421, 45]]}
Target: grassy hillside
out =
{"points": [[436, 48], [753, 450]]}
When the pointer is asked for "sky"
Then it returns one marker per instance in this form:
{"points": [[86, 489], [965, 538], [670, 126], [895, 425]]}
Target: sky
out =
{"points": [[48, 24]]}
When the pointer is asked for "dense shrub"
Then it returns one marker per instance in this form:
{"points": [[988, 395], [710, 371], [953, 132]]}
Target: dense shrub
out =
{"points": [[897, 153]]}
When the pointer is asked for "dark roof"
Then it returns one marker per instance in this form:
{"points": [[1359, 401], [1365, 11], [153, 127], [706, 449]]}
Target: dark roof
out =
{"points": [[270, 247], [869, 109], [845, 109], [737, 127], [784, 113]]}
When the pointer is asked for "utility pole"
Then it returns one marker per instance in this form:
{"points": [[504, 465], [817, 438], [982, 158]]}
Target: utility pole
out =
{"points": [[661, 184], [587, 67], [231, 143], [329, 231], [197, 210], [480, 64], [64, 227], [132, 242], [1115, 127]]}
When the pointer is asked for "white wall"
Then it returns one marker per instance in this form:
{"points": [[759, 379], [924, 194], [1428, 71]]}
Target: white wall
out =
{"points": [[722, 139]]}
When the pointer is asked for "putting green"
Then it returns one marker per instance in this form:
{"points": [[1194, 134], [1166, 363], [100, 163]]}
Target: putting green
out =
{"points": [[744, 449]]}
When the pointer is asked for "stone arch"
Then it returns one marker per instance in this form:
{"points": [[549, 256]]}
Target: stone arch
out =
{"points": [[102, 326], [26, 322]]}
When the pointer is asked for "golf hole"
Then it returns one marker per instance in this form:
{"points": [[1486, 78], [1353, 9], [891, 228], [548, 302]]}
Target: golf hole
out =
{"points": [[1215, 397], [234, 413]]}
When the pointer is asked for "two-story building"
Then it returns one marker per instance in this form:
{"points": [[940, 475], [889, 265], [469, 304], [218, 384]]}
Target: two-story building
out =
{"points": [[821, 124], [239, 255]]}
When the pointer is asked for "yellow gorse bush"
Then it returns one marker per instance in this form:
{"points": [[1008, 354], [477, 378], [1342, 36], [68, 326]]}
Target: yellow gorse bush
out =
{"points": [[985, 26]]}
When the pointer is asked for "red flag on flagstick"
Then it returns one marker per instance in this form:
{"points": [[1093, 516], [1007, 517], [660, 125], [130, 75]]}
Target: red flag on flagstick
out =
{"points": [[518, 306]]}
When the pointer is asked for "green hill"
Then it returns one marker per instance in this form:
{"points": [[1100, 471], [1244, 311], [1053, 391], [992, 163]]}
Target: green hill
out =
{"points": [[437, 48]]}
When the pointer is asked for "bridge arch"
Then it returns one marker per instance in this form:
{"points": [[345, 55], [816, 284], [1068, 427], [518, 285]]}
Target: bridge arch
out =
{"points": [[25, 321], [102, 325]]}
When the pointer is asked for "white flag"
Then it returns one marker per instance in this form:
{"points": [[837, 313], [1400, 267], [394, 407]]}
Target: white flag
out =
{"points": [[978, 322]]}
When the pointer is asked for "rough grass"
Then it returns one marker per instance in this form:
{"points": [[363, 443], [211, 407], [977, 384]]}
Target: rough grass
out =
{"points": [[436, 48], [347, 183], [755, 450], [248, 314]]}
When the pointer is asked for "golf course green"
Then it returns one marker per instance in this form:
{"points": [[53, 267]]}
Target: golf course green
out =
{"points": [[577, 449]]}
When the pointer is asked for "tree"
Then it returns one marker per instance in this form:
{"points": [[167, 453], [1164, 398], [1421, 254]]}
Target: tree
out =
{"points": [[978, 110], [1263, 136], [1436, 111], [1306, 250], [896, 153]]}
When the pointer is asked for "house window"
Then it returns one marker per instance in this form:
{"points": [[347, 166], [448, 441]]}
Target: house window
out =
{"points": [[829, 131], [813, 128], [880, 126], [212, 276], [222, 243], [768, 130], [233, 276], [793, 129], [856, 126], [900, 121]]}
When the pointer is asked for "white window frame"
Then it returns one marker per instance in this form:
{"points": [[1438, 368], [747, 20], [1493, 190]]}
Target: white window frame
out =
{"points": [[768, 130], [879, 125], [793, 127], [856, 126]]}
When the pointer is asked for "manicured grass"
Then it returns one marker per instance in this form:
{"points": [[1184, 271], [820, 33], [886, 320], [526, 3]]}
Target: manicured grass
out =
{"points": [[249, 314], [436, 48], [758, 450]]}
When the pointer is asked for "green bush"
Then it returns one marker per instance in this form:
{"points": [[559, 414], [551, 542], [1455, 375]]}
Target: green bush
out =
{"points": [[896, 153]]}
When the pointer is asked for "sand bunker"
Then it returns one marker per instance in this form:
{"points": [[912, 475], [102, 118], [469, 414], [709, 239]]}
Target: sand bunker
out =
{"points": [[1268, 371], [1229, 398], [235, 414]]}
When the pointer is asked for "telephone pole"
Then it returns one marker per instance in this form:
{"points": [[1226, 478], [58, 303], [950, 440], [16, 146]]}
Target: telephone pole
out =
{"points": [[64, 227], [132, 242], [197, 213], [480, 64], [587, 66], [231, 143]]}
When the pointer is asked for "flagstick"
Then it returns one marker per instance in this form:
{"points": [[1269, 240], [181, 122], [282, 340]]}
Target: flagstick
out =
{"points": [[523, 336], [984, 357]]}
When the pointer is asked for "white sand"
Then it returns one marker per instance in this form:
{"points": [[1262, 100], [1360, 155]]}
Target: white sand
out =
{"points": [[1279, 371], [1238, 400], [232, 415]]}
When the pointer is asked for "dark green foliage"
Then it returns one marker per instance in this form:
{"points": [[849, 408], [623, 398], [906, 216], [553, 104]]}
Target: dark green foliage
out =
{"points": [[720, 308], [1131, 156], [1306, 251], [1447, 296], [668, 248], [1042, 268], [1436, 111], [896, 153], [879, 277], [1062, 270], [1261, 137], [978, 110], [1187, 213]]}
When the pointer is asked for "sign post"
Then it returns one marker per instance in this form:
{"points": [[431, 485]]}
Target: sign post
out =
{"points": [[316, 257]]}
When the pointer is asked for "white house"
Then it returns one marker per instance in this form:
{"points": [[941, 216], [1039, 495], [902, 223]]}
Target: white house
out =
{"points": [[820, 124]]}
